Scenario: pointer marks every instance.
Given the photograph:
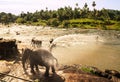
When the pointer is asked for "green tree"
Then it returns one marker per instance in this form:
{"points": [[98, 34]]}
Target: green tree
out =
{"points": [[54, 14], [85, 11], [61, 13], [4, 19], [94, 13], [20, 20], [76, 12]]}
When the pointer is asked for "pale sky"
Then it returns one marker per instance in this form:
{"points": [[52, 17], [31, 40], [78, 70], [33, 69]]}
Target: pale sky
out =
{"points": [[17, 6]]}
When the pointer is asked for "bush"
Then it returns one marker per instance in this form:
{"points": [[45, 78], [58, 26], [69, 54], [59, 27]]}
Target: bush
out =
{"points": [[116, 26], [34, 19], [75, 25], [103, 27], [53, 22], [66, 23], [87, 70], [108, 23], [20, 20]]}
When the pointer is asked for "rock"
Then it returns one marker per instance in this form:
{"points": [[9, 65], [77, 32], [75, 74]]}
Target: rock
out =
{"points": [[4, 68], [1, 38], [113, 72], [101, 73], [106, 75]]}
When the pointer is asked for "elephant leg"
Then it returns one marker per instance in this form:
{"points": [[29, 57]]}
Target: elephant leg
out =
{"points": [[32, 68], [37, 68], [53, 70], [47, 71]]}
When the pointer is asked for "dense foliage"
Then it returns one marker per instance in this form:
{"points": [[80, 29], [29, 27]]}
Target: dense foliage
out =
{"points": [[67, 17]]}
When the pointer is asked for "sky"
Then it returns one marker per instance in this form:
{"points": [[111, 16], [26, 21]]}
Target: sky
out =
{"points": [[18, 6]]}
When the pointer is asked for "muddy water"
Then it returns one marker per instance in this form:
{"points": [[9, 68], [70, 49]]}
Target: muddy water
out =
{"points": [[101, 55], [84, 51]]}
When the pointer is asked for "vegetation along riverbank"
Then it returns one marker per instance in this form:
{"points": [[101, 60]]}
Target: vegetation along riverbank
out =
{"points": [[67, 17]]}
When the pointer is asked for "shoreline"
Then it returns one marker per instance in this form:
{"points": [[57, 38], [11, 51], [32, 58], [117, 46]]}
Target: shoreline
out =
{"points": [[65, 72]]}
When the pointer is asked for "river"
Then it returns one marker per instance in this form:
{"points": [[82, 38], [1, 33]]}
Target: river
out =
{"points": [[99, 54], [81, 48]]}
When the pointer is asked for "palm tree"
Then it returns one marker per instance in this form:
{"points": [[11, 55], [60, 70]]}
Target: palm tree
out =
{"points": [[46, 8], [85, 5], [84, 11], [94, 4], [76, 4], [76, 11]]}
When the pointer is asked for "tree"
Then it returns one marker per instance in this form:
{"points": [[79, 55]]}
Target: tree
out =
{"points": [[4, 19], [76, 12], [94, 4], [68, 13], [85, 11], [94, 13], [61, 13], [76, 4], [28, 16], [105, 14], [85, 6], [54, 14]]}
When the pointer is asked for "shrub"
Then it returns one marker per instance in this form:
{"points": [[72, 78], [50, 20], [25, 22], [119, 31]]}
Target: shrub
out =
{"points": [[53, 22], [34, 19], [87, 70], [20, 20], [66, 23], [75, 25]]}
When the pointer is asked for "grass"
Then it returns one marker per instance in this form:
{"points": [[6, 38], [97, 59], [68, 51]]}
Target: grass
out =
{"points": [[83, 23], [39, 23], [116, 26], [95, 24], [87, 70]]}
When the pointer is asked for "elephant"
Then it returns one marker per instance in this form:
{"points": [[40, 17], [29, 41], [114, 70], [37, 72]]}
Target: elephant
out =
{"points": [[36, 43], [40, 57], [51, 40]]}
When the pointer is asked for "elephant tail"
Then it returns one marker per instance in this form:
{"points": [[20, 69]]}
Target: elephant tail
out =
{"points": [[55, 62]]}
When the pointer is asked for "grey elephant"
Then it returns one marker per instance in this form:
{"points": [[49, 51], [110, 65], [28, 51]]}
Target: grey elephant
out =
{"points": [[40, 57]]}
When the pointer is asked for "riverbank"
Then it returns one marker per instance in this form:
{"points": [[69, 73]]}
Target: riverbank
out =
{"points": [[73, 46], [64, 73]]}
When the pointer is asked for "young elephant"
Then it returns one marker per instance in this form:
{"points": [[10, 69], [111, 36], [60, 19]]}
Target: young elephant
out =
{"points": [[39, 57]]}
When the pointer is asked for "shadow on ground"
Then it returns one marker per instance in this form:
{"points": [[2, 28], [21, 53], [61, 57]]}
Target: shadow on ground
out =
{"points": [[39, 77]]}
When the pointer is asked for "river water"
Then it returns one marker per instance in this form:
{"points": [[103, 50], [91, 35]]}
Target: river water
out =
{"points": [[75, 49], [99, 54]]}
